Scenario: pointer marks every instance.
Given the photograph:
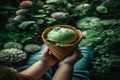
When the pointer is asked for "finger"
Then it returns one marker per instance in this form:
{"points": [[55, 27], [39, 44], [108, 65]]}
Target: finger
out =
{"points": [[44, 54], [77, 53], [50, 53], [46, 50]]}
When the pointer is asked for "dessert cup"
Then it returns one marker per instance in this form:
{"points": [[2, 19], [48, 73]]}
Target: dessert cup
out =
{"points": [[60, 52]]}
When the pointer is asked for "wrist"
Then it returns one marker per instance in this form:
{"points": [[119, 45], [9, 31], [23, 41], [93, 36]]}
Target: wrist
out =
{"points": [[67, 64], [44, 63]]}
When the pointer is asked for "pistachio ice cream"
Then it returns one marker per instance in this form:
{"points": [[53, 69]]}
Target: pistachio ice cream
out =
{"points": [[61, 36]]}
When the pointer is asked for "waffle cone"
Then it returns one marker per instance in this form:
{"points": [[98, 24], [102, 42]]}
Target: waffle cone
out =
{"points": [[60, 52]]}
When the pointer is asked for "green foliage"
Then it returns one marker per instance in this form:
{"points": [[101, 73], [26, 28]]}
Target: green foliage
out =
{"points": [[103, 37], [92, 38], [111, 42], [32, 48], [16, 36], [110, 3], [9, 45], [7, 8], [12, 56], [82, 9], [97, 19], [101, 9], [105, 64], [25, 24], [89, 23]]}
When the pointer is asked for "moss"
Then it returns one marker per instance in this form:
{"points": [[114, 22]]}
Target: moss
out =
{"points": [[32, 48], [101, 9], [21, 11], [12, 56], [13, 45], [89, 23]]}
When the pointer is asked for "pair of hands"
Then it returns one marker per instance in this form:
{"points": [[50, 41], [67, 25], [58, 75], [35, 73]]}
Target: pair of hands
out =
{"points": [[48, 59]]}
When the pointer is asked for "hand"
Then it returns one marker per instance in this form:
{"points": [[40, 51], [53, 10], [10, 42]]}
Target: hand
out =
{"points": [[47, 58], [73, 58]]}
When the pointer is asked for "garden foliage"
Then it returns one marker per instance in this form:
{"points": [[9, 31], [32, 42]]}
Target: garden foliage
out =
{"points": [[99, 21]]}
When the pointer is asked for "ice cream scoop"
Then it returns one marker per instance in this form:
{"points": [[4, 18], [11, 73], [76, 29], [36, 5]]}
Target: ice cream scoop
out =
{"points": [[61, 36]]}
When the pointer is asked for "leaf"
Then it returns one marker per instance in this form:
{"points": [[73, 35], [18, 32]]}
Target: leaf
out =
{"points": [[8, 7], [39, 16], [25, 24], [26, 36]]}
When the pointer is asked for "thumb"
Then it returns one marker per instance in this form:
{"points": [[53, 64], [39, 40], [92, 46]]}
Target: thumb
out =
{"points": [[45, 52], [77, 53]]}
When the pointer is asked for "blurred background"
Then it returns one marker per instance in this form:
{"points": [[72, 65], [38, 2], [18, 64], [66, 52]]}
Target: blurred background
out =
{"points": [[23, 21]]}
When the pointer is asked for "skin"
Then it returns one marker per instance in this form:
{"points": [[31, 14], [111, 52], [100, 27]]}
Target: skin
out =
{"points": [[65, 70], [37, 70], [47, 60]]}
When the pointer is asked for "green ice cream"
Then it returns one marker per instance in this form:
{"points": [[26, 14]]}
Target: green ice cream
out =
{"points": [[62, 36]]}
